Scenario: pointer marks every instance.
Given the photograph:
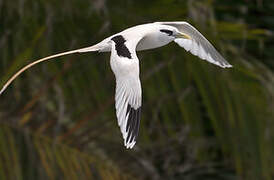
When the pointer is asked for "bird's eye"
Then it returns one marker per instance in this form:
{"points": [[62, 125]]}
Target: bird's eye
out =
{"points": [[168, 32]]}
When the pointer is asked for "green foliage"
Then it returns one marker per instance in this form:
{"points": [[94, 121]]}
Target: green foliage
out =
{"points": [[57, 120], [32, 156]]}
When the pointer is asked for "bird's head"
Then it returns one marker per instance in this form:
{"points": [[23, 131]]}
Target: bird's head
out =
{"points": [[173, 33]]}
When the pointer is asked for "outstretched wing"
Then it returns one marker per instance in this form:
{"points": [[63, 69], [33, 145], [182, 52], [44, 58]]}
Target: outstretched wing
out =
{"points": [[198, 45], [128, 96], [128, 108]]}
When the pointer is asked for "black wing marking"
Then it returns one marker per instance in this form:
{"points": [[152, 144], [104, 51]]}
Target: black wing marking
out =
{"points": [[120, 46], [133, 123], [128, 102]]}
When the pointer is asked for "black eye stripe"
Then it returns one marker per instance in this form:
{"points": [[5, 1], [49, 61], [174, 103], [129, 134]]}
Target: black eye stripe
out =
{"points": [[167, 31]]}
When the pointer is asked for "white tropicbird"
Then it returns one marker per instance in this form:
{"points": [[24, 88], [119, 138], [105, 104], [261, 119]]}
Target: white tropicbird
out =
{"points": [[125, 64]]}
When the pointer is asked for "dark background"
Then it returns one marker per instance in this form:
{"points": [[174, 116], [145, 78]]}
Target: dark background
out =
{"points": [[199, 121]]}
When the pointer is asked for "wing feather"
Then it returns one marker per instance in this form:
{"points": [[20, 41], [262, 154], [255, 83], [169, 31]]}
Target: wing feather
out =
{"points": [[198, 45], [128, 108]]}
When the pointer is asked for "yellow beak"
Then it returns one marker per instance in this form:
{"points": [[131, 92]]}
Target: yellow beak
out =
{"points": [[182, 35]]}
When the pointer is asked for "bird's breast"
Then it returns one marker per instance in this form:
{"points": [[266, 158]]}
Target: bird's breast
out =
{"points": [[122, 66]]}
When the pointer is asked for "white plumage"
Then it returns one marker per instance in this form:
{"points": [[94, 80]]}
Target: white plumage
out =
{"points": [[128, 90], [125, 64]]}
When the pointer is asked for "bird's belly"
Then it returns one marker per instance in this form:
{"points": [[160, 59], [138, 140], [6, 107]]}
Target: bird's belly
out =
{"points": [[152, 41]]}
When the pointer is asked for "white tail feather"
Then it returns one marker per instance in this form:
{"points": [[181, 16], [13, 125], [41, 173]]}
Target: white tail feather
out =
{"points": [[88, 49]]}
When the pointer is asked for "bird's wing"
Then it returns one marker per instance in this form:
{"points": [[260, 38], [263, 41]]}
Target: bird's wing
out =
{"points": [[128, 108], [198, 45], [128, 96]]}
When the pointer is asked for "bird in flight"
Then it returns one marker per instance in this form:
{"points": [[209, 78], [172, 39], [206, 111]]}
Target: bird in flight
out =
{"points": [[125, 64]]}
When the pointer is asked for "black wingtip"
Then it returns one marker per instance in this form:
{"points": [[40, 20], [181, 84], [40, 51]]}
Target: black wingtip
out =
{"points": [[133, 123]]}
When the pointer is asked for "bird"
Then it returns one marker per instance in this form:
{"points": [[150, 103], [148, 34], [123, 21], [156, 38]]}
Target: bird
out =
{"points": [[125, 64]]}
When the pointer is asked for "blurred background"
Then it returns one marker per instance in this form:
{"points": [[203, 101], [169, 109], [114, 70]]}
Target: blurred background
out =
{"points": [[57, 120]]}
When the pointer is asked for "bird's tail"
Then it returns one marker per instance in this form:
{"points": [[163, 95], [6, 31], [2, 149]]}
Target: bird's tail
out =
{"points": [[82, 50], [95, 47]]}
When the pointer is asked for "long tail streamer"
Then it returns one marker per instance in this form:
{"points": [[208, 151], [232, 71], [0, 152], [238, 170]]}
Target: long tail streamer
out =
{"points": [[92, 48]]}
